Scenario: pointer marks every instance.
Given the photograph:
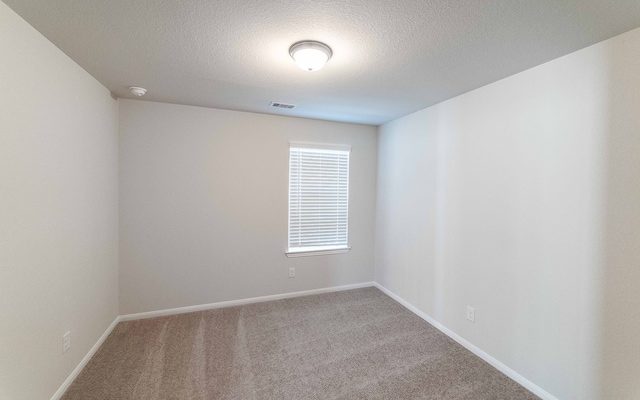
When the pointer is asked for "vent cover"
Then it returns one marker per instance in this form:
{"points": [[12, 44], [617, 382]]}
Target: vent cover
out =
{"points": [[281, 105]]}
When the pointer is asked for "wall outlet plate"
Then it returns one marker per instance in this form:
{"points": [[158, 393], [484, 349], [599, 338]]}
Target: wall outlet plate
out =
{"points": [[471, 314], [292, 272], [66, 341]]}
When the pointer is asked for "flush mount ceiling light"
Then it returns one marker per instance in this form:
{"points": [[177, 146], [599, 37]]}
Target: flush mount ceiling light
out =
{"points": [[310, 55], [137, 91]]}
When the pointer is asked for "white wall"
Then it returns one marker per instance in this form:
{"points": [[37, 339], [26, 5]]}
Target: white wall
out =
{"points": [[58, 211], [521, 199], [621, 269], [203, 206]]}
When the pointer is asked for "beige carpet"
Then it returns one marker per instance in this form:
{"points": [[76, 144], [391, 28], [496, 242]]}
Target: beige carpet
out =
{"points": [[357, 344]]}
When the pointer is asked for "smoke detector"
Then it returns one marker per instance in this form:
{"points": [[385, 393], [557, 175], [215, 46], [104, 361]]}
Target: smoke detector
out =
{"points": [[137, 91]]}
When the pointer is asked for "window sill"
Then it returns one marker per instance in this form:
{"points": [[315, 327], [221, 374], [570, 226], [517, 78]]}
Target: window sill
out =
{"points": [[310, 251]]}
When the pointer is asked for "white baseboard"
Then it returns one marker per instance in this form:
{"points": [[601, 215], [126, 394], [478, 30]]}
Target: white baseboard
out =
{"points": [[535, 389], [65, 385], [222, 304]]}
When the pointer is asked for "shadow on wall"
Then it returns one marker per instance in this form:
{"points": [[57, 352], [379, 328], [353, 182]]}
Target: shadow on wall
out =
{"points": [[620, 315]]}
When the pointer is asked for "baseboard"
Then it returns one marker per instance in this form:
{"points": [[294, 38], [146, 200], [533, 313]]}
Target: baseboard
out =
{"points": [[65, 385], [535, 389], [210, 306]]}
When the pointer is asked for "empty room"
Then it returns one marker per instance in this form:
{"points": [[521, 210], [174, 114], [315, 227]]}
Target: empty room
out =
{"points": [[251, 200]]}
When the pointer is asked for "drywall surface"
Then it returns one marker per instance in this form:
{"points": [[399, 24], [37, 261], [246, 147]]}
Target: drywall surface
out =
{"points": [[521, 199], [204, 206], [621, 272], [58, 211]]}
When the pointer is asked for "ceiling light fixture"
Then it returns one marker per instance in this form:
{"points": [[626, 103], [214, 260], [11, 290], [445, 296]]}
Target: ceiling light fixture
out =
{"points": [[310, 55], [137, 91]]}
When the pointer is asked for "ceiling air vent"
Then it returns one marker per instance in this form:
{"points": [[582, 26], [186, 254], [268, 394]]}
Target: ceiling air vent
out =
{"points": [[281, 105]]}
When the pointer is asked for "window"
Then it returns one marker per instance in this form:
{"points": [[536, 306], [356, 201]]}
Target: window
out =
{"points": [[318, 199]]}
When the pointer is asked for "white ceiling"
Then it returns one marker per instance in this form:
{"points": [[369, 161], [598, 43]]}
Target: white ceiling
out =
{"points": [[390, 57]]}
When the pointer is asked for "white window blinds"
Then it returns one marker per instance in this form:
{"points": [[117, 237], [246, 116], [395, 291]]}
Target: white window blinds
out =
{"points": [[318, 198]]}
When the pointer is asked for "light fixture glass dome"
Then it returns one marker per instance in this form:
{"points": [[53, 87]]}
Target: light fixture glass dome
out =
{"points": [[309, 55]]}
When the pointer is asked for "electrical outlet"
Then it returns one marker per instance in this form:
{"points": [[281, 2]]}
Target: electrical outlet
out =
{"points": [[292, 272], [66, 341], [471, 314]]}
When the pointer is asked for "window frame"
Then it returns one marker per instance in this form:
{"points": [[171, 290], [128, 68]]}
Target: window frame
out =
{"points": [[321, 249]]}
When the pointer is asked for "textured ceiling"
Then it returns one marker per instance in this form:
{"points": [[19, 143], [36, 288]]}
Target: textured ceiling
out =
{"points": [[390, 57]]}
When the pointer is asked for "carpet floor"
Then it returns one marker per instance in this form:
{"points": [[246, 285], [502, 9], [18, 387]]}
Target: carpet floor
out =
{"points": [[357, 344]]}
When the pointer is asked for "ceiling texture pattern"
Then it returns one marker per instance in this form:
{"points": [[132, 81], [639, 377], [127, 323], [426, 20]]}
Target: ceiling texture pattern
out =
{"points": [[390, 58]]}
